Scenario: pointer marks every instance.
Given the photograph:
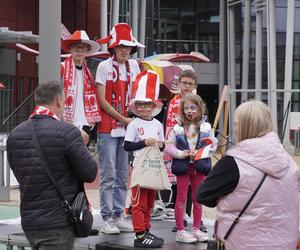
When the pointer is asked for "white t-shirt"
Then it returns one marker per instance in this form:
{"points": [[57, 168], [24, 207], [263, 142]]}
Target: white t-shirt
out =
{"points": [[79, 119], [105, 71], [139, 130]]}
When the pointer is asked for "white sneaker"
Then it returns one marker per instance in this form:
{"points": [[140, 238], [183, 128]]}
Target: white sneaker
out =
{"points": [[185, 237], [109, 227], [124, 226], [200, 236]]}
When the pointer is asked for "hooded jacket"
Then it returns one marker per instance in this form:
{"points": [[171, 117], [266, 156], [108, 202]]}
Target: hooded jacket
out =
{"points": [[271, 220]]}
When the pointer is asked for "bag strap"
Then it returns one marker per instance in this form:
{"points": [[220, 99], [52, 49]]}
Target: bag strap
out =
{"points": [[236, 220], [45, 164]]}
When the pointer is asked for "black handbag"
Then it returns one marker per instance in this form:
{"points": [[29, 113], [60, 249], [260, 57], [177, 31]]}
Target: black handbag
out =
{"points": [[217, 244], [79, 212], [81, 217]]}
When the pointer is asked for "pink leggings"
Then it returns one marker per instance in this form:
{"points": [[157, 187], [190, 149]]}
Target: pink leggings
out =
{"points": [[183, 182]]}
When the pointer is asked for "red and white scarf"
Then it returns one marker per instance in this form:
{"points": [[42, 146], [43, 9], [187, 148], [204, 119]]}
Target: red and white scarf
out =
{"points": [[171, 120], [172, 113], [91, 108], [41, 110], [120, 96], [120, 93]]}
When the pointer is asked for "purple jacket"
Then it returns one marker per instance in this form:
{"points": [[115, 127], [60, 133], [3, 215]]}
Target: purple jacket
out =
{"points": [[272, 219]]}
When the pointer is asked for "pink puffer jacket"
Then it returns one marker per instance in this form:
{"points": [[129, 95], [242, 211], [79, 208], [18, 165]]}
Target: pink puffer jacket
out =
{"points": [[272, 219]]}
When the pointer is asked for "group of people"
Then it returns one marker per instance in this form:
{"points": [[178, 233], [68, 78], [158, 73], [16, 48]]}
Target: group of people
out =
{"points": [[270, 221]]}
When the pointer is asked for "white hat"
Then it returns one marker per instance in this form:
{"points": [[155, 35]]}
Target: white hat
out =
{"points": [[80, 36], [146, 89], [121, 34]]}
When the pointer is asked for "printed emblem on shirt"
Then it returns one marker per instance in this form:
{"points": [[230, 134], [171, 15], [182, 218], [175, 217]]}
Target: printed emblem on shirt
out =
{"points": [[141, 131]]}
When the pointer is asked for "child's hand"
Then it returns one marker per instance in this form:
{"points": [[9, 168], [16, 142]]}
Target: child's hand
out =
{"points": [[192, 154], [150, 142], [186, 153], [160, 144]]}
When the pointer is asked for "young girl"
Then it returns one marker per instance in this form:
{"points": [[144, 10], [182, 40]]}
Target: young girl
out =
{"points": [[185, 142]]}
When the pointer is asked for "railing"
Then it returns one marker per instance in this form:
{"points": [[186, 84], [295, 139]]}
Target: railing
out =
{"points": [[18, 115]]}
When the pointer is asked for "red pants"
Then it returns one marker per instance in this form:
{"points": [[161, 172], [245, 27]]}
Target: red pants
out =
{"points": [[141, 208]]}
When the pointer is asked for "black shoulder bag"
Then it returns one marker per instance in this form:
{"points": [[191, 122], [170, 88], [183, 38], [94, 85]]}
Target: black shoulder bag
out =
{"points": [[217, 244], [79, 212]]}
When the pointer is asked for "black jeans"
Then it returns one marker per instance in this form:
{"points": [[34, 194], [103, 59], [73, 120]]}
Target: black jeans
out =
{"points": [[51, 239]]}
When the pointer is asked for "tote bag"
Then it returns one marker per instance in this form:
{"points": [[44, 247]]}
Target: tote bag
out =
{"points": [[149, 170]]}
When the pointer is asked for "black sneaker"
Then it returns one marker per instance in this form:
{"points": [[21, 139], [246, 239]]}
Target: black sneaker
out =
{"points": [[153, 236], [203, 228], [147, 242]]}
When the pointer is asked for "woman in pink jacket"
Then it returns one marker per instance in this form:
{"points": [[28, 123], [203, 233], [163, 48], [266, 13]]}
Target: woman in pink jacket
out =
{"points": [[272, 219]]}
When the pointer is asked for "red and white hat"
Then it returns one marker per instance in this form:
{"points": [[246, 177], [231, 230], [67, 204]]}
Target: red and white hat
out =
{"points": [[146, 89], [121, 34], [80, 36]]}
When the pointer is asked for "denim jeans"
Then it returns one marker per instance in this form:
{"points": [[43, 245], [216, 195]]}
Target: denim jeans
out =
{"points": [[51, 239], [113, 161]]}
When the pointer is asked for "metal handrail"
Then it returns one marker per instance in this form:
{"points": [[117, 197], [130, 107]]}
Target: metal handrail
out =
{"points": [[17, 108]]}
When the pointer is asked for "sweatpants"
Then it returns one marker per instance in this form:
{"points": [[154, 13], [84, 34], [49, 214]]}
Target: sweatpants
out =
{"points": [[142, 203]]}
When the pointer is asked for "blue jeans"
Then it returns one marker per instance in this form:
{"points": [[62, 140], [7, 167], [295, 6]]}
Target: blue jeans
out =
{"points": [[113, 161], [51, 239]]}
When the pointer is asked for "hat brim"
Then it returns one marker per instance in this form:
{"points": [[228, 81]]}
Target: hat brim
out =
{"points": [[156, 110], [133, 50], [134, 45], [95, 47]]}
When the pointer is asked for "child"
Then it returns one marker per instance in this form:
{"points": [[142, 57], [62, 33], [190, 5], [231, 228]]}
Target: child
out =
{"points": [[144, 131], [183, 144]]}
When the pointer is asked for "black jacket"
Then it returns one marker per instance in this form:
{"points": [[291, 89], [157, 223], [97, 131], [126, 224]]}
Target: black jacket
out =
{"points": [[71, 165], [222, 180]]}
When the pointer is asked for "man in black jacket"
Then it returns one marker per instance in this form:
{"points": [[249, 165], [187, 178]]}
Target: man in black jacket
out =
{"points": [[44, 221]]}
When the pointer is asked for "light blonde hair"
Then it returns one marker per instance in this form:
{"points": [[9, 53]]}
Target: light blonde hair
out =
{"points": [[197, 100], [252, 119]]}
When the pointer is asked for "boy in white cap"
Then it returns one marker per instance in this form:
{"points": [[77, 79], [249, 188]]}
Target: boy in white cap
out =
{"points": [[144, 131], [81, 107], [114, 78]]}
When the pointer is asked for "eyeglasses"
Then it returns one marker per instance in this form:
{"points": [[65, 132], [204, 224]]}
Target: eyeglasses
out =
{"points": [[188, 84], [80, 47]]}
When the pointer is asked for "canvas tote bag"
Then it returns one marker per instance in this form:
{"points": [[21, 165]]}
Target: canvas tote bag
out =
{"points": [[149, 170]]}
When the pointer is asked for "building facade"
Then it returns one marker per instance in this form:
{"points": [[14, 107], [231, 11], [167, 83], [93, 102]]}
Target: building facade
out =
{"points": [[221, 30]]}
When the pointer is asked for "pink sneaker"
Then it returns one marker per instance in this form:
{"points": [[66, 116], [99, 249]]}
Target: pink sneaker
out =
{"points": [[200, 236], [185, 237]]}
